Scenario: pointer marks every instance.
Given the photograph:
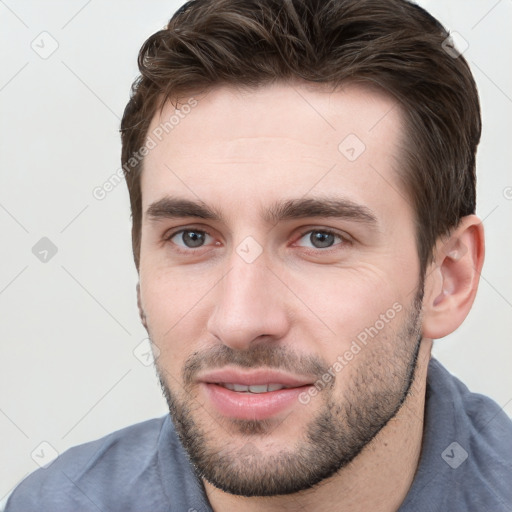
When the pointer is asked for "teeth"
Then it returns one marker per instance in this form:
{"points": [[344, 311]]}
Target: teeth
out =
{"points": [[262, 388]]}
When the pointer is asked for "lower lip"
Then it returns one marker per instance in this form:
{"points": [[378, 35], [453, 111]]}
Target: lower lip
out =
{"points": [[251, 406]]}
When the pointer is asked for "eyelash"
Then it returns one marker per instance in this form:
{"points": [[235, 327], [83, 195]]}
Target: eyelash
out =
{"points": [[327, 231], [178, 248], [344, 239]]}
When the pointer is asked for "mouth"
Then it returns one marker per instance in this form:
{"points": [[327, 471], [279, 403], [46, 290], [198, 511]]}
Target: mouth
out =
{"points": [[257, 389], [254, 395]]}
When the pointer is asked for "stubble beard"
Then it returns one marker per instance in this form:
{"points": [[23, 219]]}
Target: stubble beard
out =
{"points": [[332, 438]]}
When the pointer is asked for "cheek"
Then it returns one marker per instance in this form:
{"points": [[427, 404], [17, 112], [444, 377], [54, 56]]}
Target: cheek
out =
{"points": [[347, 300], [363, 310], [175, 313], [170, 294]]}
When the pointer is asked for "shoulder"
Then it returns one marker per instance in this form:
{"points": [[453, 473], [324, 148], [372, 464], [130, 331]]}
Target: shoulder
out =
{"points": [[481, 438], [482, 419], [86, 476]]}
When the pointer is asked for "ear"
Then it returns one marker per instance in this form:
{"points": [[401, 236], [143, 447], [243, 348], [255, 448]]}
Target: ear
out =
{"points": [[141, 310], [452, 279]]}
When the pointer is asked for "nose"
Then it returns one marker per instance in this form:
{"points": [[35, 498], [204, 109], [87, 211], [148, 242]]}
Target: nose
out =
{"points": [[248, 305]]}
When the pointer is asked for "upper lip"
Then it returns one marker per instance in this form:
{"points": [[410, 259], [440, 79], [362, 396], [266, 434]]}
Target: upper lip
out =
{"points": [[254, 378]]}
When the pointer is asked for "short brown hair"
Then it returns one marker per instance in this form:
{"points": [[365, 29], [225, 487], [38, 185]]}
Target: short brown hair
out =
{"points": [[394, 44]]}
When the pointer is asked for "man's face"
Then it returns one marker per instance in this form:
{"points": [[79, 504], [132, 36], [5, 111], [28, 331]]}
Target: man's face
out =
{"points": [[305, 273]]}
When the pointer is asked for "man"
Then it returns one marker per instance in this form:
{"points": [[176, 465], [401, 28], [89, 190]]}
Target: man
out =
{"points": [[302, 185]]}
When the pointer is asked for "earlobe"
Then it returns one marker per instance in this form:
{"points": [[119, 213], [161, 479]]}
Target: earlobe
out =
{"points": [[141, 310], [452, 279]]}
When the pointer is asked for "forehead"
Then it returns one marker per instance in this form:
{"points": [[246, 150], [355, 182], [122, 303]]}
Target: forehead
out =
{"points": [[243, 147]]}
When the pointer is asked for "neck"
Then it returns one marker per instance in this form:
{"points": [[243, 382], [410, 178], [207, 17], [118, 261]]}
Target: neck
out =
{"points": [[377, 479]]}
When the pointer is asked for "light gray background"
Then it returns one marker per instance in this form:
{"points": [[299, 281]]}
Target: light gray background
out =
{"points": [[69, 326]]}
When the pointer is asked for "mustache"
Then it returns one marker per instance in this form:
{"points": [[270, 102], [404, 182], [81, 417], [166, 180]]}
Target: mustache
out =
{"points": [[257, 356]]}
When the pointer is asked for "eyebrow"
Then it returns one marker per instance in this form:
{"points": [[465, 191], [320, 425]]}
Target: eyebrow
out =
{"points": [[320, 207], [171, 207], [289, 209]]}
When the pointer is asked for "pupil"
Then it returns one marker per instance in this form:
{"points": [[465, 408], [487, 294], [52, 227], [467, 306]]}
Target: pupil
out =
{"points": [[320, 239], [193, 238]]}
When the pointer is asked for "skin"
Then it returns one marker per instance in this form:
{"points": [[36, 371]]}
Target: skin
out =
{"points": [[239, 152]]}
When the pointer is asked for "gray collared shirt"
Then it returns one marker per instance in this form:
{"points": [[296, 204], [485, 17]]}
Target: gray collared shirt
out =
{"points": [[465, 465]]}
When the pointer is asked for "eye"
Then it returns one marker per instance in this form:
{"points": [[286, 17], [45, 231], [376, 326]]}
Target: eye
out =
{"points": [[190, 238], [320, 238]]}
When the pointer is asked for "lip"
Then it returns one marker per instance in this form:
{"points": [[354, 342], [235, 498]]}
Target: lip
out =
{"points": [[252, 406], [255, 378]]}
